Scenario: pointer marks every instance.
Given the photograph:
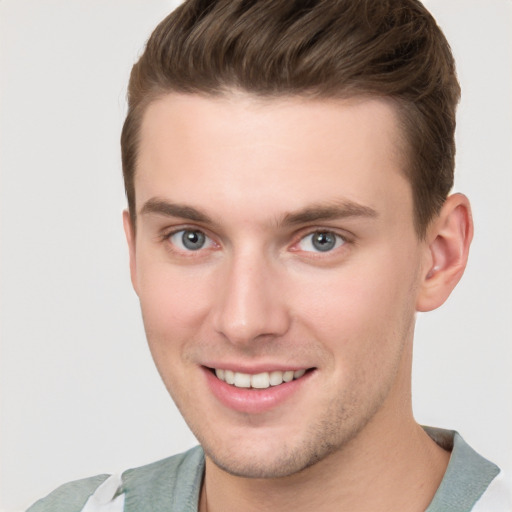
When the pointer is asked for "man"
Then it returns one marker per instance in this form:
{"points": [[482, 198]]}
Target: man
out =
{"points": [[287, 167]]}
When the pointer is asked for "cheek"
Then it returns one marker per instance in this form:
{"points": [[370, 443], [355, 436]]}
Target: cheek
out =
{"points": [[364, 324], [174, 304], [361, 309], [173, 301]]}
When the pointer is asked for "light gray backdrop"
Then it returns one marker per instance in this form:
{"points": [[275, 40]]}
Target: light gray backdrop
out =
{"points": [[79, 394]]}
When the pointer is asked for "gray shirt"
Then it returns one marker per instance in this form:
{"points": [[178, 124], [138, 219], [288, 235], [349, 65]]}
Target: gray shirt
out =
{"points": [[174, 484]]}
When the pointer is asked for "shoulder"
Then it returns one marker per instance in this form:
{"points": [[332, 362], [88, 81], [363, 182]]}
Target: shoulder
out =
{"points": [[167, 485], [469, 478], [174, 480], [69, 497]]}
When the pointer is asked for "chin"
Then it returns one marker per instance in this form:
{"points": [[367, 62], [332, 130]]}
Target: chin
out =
{"points": [[261, 466], [275, 458]]}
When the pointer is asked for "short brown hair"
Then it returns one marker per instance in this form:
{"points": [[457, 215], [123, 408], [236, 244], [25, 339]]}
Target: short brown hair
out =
{"points": [[318, 48]]}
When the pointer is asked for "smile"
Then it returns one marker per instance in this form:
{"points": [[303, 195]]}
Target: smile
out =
{"points": [[259, 380]]}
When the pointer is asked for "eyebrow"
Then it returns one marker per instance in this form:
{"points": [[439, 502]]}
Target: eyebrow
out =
{"points": [[313, 213], [162, 207], [334, 211]]}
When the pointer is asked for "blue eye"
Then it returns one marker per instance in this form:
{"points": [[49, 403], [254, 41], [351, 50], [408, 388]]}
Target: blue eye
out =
{"points": [[321, 241], [189, 240]]}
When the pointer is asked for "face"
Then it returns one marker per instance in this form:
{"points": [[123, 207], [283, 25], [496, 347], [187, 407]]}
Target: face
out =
{"points": [[277, 266]]}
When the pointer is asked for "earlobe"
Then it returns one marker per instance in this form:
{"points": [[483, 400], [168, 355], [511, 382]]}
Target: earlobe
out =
{"points": [[449, 239], [129, 232]]}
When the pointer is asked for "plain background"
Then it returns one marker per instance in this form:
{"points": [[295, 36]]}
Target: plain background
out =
{"points": [[79, 394]]}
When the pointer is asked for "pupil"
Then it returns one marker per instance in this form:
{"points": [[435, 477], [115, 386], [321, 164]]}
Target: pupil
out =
{"points": [[193, 240], [324, 241]]}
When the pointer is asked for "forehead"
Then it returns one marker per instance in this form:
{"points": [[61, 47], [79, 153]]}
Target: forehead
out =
{"points": [[238, 152]]}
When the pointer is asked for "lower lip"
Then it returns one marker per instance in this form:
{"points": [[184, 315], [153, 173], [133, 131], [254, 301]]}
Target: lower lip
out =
{"points": [[250, 400]]}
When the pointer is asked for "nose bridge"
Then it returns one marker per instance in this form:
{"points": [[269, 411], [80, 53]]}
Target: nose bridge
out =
{"points": [[250, 303]]}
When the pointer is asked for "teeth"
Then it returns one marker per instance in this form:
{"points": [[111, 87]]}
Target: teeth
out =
{"points": [[288, 376], [276, 378], [258, 380], [229, 376], [242, 380]]}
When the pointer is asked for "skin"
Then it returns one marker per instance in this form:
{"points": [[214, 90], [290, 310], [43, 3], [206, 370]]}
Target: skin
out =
{"points": [[258, 178]]}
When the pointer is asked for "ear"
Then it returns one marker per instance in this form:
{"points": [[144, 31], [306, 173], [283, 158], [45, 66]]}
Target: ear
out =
{"points": [[129, 232], [448, 241]]}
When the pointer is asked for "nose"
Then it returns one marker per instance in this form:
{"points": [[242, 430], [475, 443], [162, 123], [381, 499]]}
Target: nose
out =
{"points": [[251, 303]]}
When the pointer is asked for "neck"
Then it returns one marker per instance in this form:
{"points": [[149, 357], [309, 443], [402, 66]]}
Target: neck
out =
{"points": [[393, 475]]}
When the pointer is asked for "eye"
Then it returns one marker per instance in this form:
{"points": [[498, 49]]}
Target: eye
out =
{"points": [[321, 241], [190, 240]]}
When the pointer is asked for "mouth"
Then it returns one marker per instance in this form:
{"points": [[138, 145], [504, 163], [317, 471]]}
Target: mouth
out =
{"points": [[260, 391], [262, 380]]}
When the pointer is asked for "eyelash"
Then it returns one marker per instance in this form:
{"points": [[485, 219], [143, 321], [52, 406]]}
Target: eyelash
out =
{"points": [[340, 241], [166, 237]]}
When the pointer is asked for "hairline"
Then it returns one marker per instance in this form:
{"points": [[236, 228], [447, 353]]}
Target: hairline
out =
{"points": [[400, 106]]}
